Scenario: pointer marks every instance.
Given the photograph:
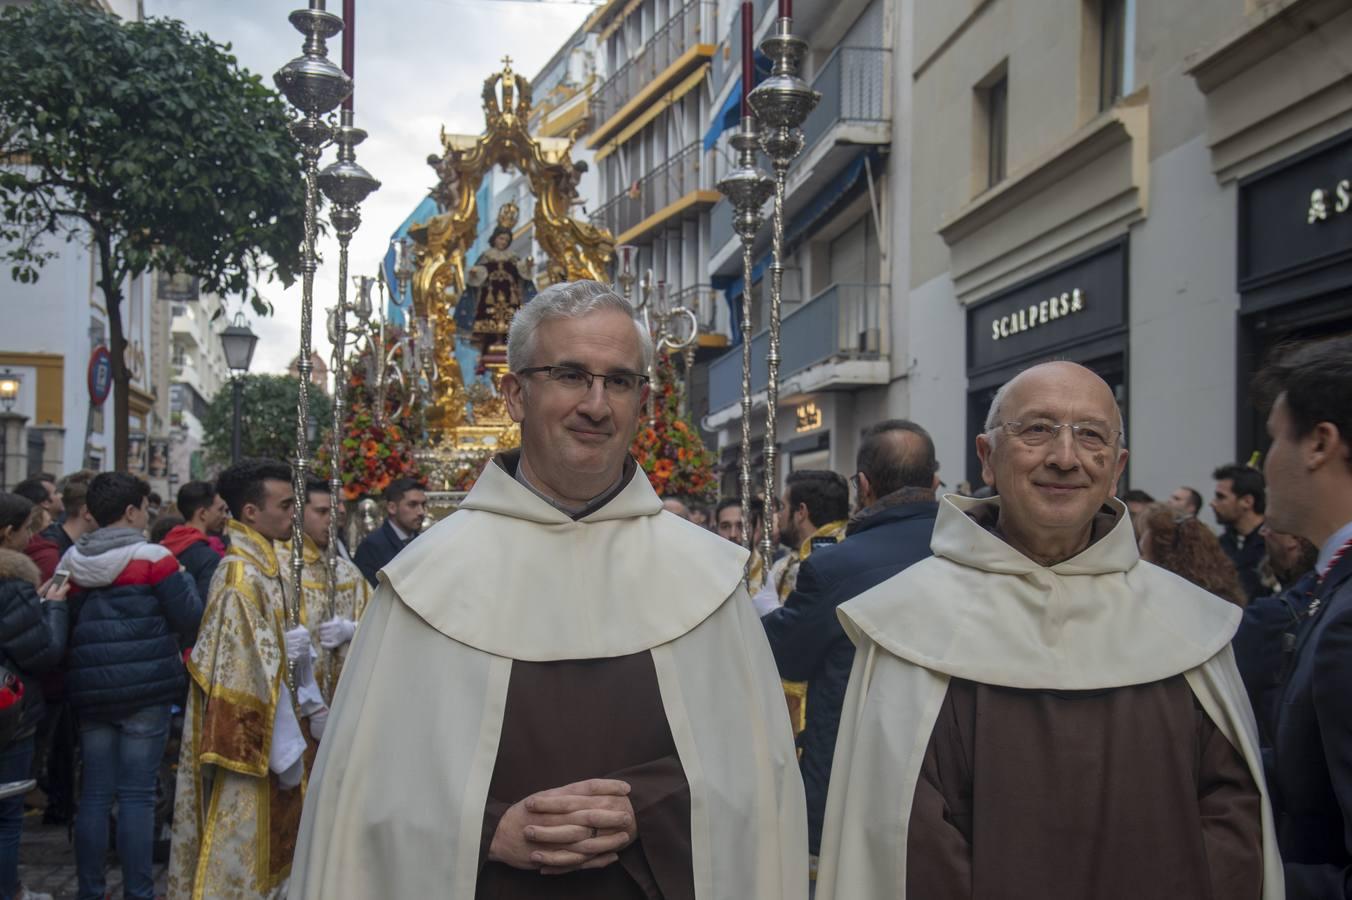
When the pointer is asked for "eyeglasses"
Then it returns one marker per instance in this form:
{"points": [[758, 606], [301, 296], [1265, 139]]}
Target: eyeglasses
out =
{"points": [[573, 379], [1036, 432]]}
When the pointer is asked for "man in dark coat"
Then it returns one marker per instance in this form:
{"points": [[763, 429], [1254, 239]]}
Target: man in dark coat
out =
{"points": [[895, 483], [1238, 506], [136, 612], [1259, 652], [1309, 476], [405, 507]]}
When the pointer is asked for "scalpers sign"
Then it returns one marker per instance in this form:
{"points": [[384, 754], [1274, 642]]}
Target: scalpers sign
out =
{"points": [[1320, 205], [1035, 315]]}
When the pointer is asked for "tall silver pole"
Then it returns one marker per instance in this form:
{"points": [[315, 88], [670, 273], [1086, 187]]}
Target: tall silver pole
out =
{"points": [[747, 187], [346, 184], [313, 85], [781, 103]]}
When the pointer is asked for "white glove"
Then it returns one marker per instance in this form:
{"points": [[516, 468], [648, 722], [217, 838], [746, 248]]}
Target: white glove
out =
{"points": [[298, 644], [318, 720], [336, 632]]}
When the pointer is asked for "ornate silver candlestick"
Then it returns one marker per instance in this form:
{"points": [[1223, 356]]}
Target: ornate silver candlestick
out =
{"points": [[781, 103], [747, 187], [346, 184], [313, 85]]}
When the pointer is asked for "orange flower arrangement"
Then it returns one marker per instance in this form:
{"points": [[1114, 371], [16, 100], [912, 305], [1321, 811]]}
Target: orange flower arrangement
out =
{"points": [[373, 456], [669, 449]]}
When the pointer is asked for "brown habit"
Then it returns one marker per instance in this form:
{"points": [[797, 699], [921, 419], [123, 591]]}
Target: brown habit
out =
{"points": [[598, 718], [1115, 794]]}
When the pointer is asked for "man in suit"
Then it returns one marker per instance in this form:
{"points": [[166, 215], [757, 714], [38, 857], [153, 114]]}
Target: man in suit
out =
{"points": [[1309, 477], [895, 483], [405, 506]]}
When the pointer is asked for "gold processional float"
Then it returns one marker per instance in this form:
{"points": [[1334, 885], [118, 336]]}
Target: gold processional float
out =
{"points": [[468, 308]]}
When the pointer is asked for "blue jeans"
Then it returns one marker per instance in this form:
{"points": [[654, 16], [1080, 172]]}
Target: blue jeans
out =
{"points": [[122, 761], [15, 762]]}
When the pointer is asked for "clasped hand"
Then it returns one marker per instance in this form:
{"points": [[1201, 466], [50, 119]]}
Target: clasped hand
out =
{"points": [[565, 829]]}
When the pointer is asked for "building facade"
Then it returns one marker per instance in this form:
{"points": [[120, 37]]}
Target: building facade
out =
{"points": [[198, 369], [1148, 188], [837, 353], [1159, 191]]}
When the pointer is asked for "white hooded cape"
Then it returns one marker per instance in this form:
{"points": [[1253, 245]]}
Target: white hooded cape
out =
{"points": [[396, 801], [982, 611]]}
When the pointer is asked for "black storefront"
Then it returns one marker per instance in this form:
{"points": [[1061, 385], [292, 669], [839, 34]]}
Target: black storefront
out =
{"points": [[1077, 312], [1295, 265]]}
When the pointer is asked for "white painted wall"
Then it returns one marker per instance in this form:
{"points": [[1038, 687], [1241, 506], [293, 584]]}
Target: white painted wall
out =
{"points": [[1183, 312]]}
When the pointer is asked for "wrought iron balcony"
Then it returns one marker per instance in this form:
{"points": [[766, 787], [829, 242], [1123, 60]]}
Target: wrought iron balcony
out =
{"points": [[843, 323], [685, 29], [656, 191]]}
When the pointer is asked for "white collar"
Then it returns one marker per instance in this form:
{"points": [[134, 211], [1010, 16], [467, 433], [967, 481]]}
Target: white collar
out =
{"points": [[399, 532]]}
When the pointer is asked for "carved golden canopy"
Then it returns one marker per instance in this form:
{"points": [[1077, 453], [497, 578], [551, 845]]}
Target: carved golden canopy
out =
{"points": [[575, 249]]}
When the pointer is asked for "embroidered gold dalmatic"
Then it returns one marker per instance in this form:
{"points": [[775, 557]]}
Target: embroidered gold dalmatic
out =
{"points": [[352, 593], [234, 826], [785, 580]]}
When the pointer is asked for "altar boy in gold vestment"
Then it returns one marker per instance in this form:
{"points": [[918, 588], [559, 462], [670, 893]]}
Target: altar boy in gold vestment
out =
{"points": [[332, 625], [247, 738]]}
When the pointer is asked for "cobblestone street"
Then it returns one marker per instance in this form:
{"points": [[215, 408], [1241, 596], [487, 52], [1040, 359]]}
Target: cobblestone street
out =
{"points": [[47, 862]]}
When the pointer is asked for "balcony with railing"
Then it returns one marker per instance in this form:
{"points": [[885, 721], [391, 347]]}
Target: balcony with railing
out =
{"points": [[853, 85], [677, 187], [840, 338], [854, 114], [678, 47]]}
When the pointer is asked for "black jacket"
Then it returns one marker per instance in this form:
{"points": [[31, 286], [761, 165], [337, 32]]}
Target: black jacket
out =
{"points": [[1248, 559], [132, 621], [1311, 777], [377, 549], [1258, 648], [32, 633], [809, 643]]}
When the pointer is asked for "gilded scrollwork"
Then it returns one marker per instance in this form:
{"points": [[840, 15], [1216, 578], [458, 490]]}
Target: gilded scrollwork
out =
{"points": [[574, 249]]}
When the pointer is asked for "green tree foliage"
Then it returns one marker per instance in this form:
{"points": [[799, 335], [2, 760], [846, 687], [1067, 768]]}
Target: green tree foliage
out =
{"points": [[151, 145], [267, 420]]}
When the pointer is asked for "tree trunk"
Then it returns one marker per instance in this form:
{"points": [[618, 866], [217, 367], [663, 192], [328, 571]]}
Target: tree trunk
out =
{"points": [[117, 349]]}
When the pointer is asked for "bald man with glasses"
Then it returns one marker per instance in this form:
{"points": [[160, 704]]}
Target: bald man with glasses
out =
{"points": [[1036, 712]]}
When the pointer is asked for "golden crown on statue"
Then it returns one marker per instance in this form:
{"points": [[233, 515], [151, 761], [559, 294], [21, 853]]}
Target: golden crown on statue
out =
{"points": [[508, 215]]}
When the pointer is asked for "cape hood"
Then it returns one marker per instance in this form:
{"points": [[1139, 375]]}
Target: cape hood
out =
{"points": [[511, 575], [981, 610]]}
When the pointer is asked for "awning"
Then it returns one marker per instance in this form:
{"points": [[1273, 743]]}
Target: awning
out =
{"points": [[728, 116], [842, 188], [826, 201]]}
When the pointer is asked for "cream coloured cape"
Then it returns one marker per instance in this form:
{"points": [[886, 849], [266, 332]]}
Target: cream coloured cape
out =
{"points": [[396, 801], [982, 611]]}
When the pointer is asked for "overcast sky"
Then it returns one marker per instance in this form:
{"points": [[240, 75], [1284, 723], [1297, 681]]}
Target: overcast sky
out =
{"points": [[416, 69]]}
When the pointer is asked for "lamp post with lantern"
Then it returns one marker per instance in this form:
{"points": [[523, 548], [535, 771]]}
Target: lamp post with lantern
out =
{"points": [[238, 341]]}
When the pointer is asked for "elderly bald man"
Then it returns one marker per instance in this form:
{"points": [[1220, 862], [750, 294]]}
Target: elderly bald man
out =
{"points": [[1034, 711]]}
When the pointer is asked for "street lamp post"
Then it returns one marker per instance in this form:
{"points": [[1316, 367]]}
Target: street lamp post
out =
{"points": [[238, 342]]}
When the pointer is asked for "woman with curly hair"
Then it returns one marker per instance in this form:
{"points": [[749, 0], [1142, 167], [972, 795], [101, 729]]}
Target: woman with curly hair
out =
{"points": [[1186, 547]]}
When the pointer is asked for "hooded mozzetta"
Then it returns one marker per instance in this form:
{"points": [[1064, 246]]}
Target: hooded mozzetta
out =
{"points": [[509, 577], [981, 611]]}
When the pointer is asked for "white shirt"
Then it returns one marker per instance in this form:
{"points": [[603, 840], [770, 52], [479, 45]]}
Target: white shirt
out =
{"points": [[1332, 546]]}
